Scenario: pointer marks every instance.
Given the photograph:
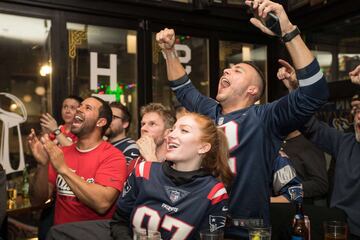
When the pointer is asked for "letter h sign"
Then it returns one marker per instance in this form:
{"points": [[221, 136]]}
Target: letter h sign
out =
{"points": [[95, 71]]}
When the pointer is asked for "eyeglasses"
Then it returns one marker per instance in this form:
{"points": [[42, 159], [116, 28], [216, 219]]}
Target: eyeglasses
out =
{"points": [[117, 117]]}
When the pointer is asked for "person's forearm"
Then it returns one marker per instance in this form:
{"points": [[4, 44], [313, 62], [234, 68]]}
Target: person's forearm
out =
{"points": [[279, 199], [300, 54], [175, 69], [95, 196], [39, 186], [63, 140]]}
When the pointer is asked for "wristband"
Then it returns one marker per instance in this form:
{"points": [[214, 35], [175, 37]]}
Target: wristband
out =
{"points": [[57, 132], [289, 36]]}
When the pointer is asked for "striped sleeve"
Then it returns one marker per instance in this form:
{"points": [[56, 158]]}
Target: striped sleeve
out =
{"points": [[143, 170], [217, 194], [312, 81]]}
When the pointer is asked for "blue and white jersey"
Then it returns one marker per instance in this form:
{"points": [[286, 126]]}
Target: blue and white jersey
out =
{"points": [[255, 135], [128, 147], [285, 181], [154, 202]]}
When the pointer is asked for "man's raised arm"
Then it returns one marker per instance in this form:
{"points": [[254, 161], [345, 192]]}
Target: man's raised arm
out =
{"points": [[299, 52], [166, 41]]}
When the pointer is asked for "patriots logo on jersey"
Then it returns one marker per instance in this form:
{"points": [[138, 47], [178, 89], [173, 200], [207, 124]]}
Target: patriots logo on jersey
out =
{"points": [[62, 187], [175, 194], [296, 193], [216, 222], [127, 188]]}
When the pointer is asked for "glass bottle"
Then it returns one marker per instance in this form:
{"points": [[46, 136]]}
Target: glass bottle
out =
{"points": [[299, 229], [25, 186]]}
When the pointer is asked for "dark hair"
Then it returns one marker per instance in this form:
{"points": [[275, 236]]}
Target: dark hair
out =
{"points": [[76, 98], [126, 114], [215, 160], [261, 74], [160, 109], [104, 112]]}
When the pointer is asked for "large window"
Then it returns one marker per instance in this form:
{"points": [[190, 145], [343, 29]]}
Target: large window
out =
{"points": [[193, 54], [326, 61], [234, 52], [347, 63], [102, 62], [25, 73]]}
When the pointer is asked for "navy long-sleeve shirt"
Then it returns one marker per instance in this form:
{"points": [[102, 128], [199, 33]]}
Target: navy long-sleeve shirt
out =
{"points": [[346, 150]]}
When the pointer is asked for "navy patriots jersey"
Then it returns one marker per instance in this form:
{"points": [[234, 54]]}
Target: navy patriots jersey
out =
{"points": [[154, 202], [128, 147], [255, 135], [285, 180]]}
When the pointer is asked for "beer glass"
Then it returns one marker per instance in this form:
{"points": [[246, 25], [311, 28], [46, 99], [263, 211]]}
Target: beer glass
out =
{"points": [[141, 234], [260, 233], [211, 235], [335, 230], [11, 195]]}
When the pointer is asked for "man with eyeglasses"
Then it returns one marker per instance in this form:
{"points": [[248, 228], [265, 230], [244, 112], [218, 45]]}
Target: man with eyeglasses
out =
{"points": [[118, 129]]}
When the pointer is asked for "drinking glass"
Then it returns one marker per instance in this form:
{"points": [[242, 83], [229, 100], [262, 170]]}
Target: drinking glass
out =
{"points": [[141, 234], [335, 230], [211, 235], [11, 194], [260, 233]]}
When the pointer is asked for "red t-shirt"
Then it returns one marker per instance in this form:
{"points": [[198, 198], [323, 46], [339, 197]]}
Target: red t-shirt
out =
{"points": [[105, 165]]}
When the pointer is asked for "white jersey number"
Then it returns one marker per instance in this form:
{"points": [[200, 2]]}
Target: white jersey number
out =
{"points": [[183, 229], [231, 131]]}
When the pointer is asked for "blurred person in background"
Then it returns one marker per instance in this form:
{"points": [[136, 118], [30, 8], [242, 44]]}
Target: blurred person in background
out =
{"points": [[345, 147], [61, 134], [156, 122], [118, 129]]}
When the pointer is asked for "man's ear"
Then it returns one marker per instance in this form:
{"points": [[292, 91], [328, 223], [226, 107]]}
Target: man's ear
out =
{"points": [[205, 147], [101, 122], [126, 124], [253, 90]]}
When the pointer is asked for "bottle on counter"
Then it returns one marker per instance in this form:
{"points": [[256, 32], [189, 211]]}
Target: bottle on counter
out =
{"points": [[25, 186], [300, 230]]}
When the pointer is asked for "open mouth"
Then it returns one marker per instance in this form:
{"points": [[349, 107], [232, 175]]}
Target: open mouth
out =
{"points": [[224, 82], [172, 146], [78, 120]]}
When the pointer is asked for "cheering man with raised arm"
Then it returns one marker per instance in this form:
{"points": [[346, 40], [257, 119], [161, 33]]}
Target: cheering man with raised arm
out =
{"points": [[254, 132]]}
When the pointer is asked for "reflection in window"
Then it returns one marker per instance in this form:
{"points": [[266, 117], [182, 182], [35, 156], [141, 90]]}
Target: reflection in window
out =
{"points": [[347, 63], [325, 61], [25, 51], [234, 52], [113, 75], [236, 2], [193, 54]]}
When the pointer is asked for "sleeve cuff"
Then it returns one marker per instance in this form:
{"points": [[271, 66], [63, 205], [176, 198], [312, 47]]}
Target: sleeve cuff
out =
{"points": [[179, 82], [309, 74]]}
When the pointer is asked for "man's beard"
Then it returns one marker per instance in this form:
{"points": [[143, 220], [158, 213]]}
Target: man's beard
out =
{"points": [[113, 134], [86, 128], [357, 135]]}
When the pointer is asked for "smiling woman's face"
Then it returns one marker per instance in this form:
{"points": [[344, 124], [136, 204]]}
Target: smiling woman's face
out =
{"points": [[184, 141]]}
